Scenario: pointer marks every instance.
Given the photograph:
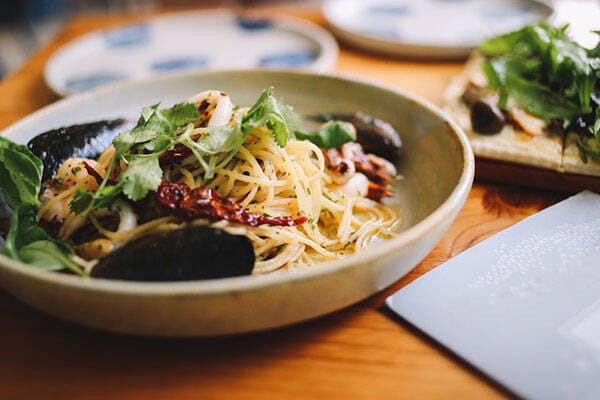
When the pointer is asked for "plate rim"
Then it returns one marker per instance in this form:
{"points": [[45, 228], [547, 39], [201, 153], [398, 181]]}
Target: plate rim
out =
{"points": [[325, 61], [252, 282], [381, 45]]}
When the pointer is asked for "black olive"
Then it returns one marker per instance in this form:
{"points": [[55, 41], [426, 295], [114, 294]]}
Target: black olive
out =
{"points": [[486, 117], [191, 253]]}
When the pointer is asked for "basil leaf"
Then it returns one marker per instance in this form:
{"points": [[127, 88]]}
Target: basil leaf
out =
{"points": [[331, 135], [46, 254], [29, 243], [20, 174], [23, 229]]}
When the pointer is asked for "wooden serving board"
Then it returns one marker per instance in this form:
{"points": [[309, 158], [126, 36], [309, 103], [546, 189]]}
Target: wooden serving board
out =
{"points": [[488, 170]]}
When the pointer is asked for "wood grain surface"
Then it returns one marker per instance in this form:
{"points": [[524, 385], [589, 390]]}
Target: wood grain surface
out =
{"points": [[362, 352]]}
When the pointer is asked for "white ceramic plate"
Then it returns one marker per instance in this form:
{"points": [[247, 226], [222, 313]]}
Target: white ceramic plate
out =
{"points": [[189, 41], [428, 28], [437, 165]]}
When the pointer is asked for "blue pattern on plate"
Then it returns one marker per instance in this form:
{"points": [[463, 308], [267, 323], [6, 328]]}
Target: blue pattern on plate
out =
{"points": [[383, 32], [179, 64], [505, 12], [391, 10], [80, 84], [129, 36], [290, 59], [253, 24]]}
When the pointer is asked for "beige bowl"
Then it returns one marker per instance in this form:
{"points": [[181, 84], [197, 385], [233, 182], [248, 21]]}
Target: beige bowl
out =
{"points": [[437, 165]]}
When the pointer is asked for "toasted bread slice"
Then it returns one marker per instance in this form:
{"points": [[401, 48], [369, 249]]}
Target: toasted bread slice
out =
{"points": [[572, 161], [513, 144]]}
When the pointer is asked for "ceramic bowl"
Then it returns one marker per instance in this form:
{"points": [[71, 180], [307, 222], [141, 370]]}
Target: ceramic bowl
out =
{"points": [[437, 165]]}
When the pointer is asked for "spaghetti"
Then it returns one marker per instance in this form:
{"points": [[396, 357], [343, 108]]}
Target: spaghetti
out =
{"points": [[327, 205]]}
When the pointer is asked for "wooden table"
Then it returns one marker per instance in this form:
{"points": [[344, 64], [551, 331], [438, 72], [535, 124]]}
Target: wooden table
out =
{"points": [[357, 353]]}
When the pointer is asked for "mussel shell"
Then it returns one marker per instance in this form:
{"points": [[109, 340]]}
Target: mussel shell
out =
{"points": [[87, 140], [191, 253], [374, 135]]}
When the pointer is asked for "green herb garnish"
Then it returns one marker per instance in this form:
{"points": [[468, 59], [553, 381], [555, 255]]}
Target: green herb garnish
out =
{"points": [[274, 114], [20, 183], [546, 73], [159, 130], [331, 135]]}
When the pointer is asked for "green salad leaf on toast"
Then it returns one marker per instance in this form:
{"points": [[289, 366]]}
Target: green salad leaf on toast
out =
{"points": [[549, 75]]}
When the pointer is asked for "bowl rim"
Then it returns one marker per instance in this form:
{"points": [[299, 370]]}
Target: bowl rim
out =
{"points": [[252, 282]]}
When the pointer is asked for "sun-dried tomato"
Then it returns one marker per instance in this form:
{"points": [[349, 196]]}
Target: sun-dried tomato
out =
{"points": [[205, 202], [177, 153], [171, 194], [93, 173]]}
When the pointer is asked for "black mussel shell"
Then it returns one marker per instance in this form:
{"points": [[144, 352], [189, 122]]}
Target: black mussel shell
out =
{"points": [[374, 135], [191, 253], [84, 140]]}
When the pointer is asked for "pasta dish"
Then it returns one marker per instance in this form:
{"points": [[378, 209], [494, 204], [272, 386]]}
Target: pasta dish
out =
{"points": [[299, 198]]}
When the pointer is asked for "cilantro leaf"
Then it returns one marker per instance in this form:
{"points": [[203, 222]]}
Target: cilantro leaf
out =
{"points": [[142, 175], [155, 133], [221, 139], [85, 202], [272, 113], [155, 130], [123, 142], [180, 114], [147, 113], [331, 135]]}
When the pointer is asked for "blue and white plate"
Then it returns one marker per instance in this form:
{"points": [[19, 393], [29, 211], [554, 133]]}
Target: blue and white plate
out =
{"points": [[428, 28], [187, 41]]}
